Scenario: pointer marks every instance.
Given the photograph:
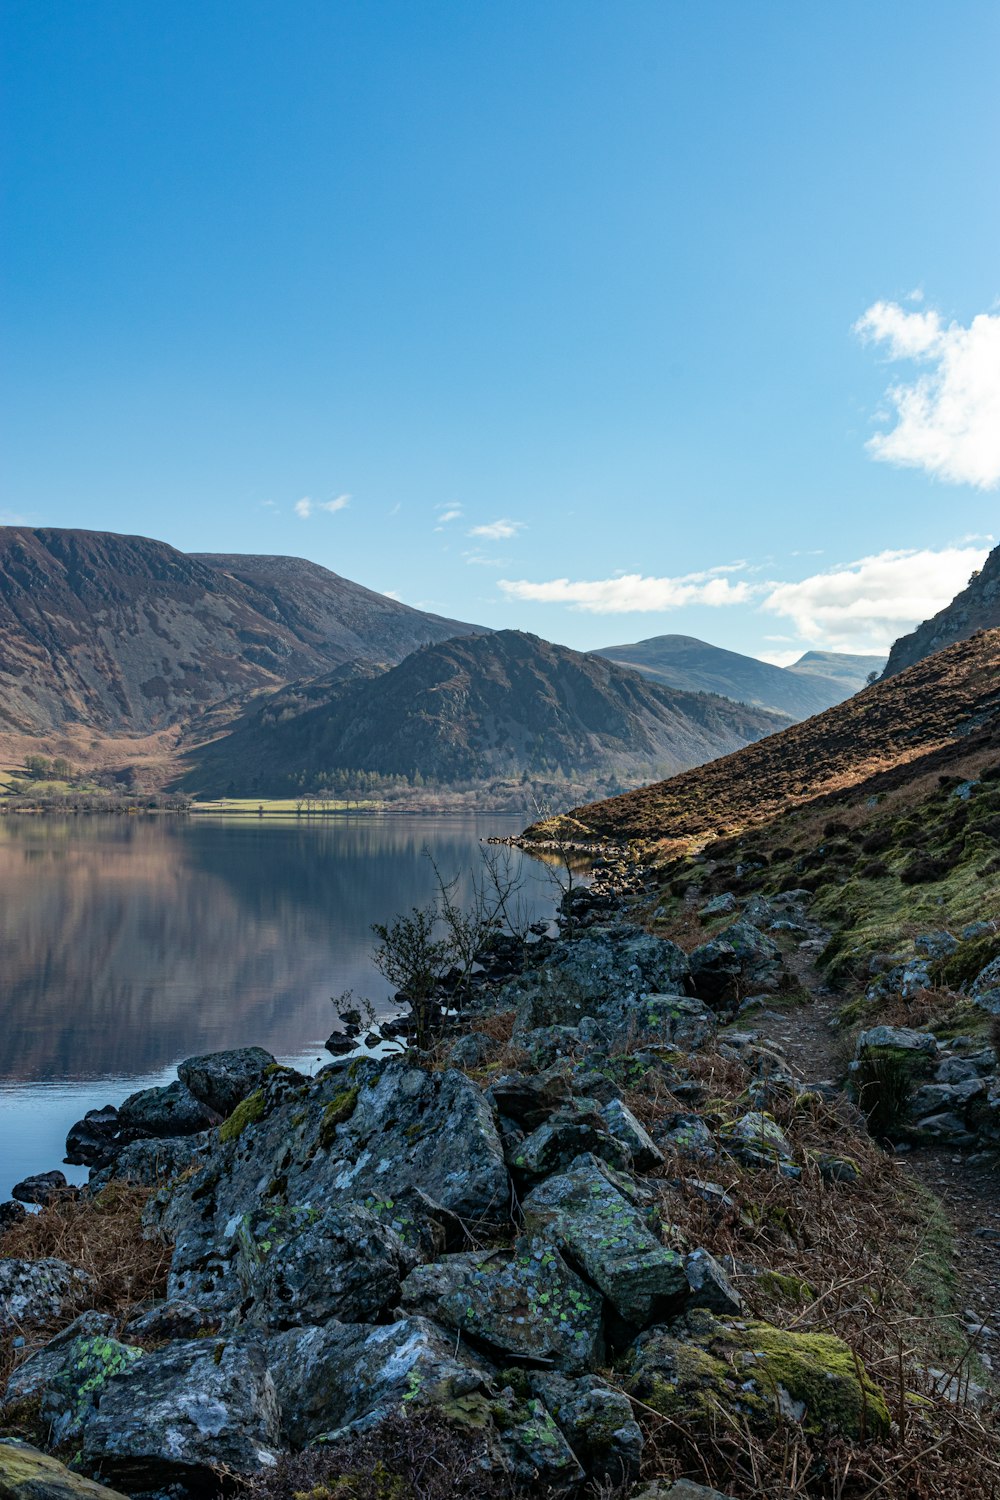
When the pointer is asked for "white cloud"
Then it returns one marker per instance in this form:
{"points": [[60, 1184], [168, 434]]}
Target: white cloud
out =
{"points": [[497, 531], [779, 658], [947, 418], [633, 593], [391, 594], [865, 605], [447, 513], [305, 507]]}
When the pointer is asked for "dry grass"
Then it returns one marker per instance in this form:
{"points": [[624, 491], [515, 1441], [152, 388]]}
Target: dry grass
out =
{"points": [[103, 1236]]}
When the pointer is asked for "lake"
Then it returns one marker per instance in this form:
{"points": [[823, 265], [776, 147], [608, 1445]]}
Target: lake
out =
{"points": [[128, 944]]}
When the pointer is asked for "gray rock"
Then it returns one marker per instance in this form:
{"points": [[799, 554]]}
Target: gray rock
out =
{"points": [[597, 1423], [327, 1378], [720, 906], [679, 1489], [762, 1133], [933, 1098], [38, 1291], [974, 930], [689, 1135], [985, 988], [603, 975], [935, 944], [623, 1125], [946, 1126], [899, 1039], [303, 1269], [169, 1320], [170, 1110], [222, 1079], [668, 1021], [358, 1134], [470, 1051], [43, 1188], [522, 1304], [72, 1378], [956, 1070], [738, 960], [565, 1136], [606, 1235], [181, 1412], [152, 1163], [709, 1285]]}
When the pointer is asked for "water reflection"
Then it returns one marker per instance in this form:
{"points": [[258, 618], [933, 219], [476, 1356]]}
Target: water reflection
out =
{"points": [[127, 944]]}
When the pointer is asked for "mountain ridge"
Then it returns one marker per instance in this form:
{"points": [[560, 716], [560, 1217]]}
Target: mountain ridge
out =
{"points": [[977, 607]]}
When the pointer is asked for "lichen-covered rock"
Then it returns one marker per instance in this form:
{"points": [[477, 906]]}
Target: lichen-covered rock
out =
{"points": [[916, 1051], [738, 961], [222, 1079], [535, 1452], [602, 975], [523, 1304], [567, 1134], [587, 1217], [623, 1125], [664, 1020], [720, 906], [363, 1134], [37, 1291], [597, 1423], [708, 1284], [678, 1489], [301, 1269], [27, 1474], [327, 1378], [170, 1110], [985, 988], [688, 1135], [71, 1378], [169, 1320], [178, 1414], [752, 1372], [761, 1134], [152, 1163]]}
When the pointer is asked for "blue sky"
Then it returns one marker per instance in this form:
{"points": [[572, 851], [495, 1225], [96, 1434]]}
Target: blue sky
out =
{"points": [[684, 316]]}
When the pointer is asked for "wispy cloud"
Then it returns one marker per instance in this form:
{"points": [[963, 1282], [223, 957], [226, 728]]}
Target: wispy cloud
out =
{"points": [[306, 507], [12, 518], [445, 513], [948, 417], [391, 594], [865, 605], [636, 593], [497, 531]]}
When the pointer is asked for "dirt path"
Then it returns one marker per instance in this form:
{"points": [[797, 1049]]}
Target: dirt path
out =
{"points": [[968, 1186]]}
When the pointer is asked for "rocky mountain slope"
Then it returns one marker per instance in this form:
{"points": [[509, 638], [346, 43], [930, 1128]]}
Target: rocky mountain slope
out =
{"points": [[927, 715], [479, 706], [819, 680], [127, 635], [977, 607]]}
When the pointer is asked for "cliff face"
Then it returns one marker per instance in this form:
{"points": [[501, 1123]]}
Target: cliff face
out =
{"points": [[479, 706], [975, 608], [127, 635]]}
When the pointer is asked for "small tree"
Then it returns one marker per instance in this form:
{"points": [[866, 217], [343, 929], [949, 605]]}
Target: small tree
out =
{"points": [[411, 958]]}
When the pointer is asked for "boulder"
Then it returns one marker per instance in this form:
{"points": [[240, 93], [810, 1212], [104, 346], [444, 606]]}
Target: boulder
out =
{"points": [[918, 1049], [43, 1188], [985, 988], [709, 1286], [327, 1378], [151, 1163], [678, 1489], [365, 1133], [166, 1111], [524, 1304], [602, 975], [71, 1377], [738, 961], [304, 1268], [221, 1080], [935, 944], [621, 1123], [38, 1291], [668, 1020], [720, 906], [95, 1140], [564, 1136], [180, 1413], [31, 1378], [606, 1235], [757, 1375], [26, 1474], [757, 1135], [688, 1135], [597, 1423], [169, 1320]]}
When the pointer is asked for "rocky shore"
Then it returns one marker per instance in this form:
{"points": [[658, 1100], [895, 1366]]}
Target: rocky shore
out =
{"points": [[601, 1239]]}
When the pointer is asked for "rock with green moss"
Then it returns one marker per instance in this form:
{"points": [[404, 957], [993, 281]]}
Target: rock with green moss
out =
{"points": [[223, 1079], [69, 1375], [569, 1132], [27, 1474], [535, 1451], [328, 1378], [524, 1303], [586, 1215], [596, 1421], [620, 1122], [705, 1368], [179, 1414]]}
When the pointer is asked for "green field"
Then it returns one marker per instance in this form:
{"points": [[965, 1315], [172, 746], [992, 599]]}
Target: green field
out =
{"points": [[250, 807]]}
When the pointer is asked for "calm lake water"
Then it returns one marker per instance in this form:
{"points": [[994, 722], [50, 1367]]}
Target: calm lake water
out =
{"points": [[128, 944]]}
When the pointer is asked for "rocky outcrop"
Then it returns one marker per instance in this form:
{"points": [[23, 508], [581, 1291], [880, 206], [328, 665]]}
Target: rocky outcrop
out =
{"points": [[977, 607]]}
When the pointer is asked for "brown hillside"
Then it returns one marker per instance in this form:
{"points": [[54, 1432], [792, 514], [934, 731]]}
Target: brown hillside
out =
{"points": [[941, 704]]}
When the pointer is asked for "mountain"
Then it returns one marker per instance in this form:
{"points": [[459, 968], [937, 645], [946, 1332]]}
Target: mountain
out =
{"points": [[925, 718], [977, 607], [126, 635], [501, 704], [816, 682], [838, 666]]}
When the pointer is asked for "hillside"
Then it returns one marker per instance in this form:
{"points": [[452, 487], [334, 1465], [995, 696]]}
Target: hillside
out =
{"points": [[977, 607], [819, 680], [127, 636], [476, 707], [926, 717]]}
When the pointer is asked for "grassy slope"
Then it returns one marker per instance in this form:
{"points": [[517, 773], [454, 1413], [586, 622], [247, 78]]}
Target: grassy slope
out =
{"points": [[919, 722]]}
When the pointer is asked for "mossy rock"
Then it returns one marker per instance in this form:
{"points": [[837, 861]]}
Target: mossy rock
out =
{"points": [[758, 1373], [26, 1474], [340, 1108], [247, 1113]]}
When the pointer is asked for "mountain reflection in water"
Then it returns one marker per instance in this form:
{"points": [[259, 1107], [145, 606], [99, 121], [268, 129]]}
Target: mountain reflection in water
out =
{"points": [[127, 944]]}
